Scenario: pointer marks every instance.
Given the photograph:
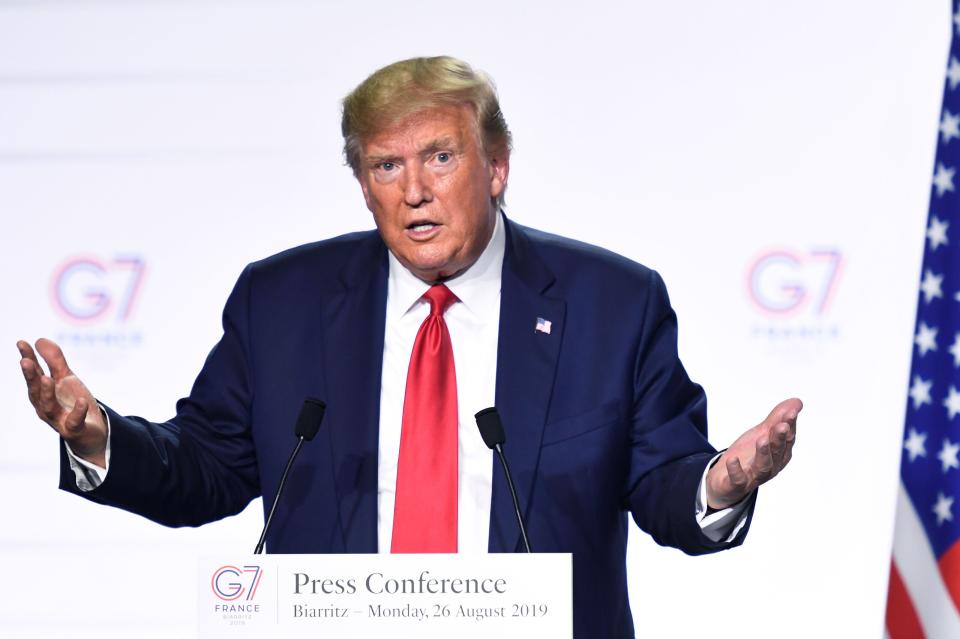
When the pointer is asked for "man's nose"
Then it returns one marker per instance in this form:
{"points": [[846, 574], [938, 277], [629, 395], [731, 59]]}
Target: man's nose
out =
{"points": [[416, 187]]}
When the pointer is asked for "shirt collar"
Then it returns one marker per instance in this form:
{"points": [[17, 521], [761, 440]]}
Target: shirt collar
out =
{"points": [[478, 287]]}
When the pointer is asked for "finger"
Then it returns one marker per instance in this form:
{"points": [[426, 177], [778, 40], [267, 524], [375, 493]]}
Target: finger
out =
{"points": [[778, 443], [784, 409], [53, 356], [791, 421], [738, 478], [26, 352], [788, 449], [49, 407], [33, 393], [32, 371], [763, 461], [74, 423], [791, 432], [31, 374], [794, 412]]}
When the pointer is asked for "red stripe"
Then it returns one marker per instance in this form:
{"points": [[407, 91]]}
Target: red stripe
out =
{"points": [[902, 620], [950, 570]]}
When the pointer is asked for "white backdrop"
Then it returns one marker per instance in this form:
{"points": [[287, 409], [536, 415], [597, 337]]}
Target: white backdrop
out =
{"points": [[771, 160]]}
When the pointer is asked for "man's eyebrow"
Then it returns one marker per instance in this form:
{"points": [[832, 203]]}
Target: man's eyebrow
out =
{"points": [[438, 144], [377, 159]]}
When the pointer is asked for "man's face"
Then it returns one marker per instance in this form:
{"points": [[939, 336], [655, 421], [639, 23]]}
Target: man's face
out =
{"points": [[430, 188]]}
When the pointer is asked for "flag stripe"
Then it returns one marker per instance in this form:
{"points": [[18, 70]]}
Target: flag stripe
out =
{"points": [[949, 564], [902, 620], [920, 573]]}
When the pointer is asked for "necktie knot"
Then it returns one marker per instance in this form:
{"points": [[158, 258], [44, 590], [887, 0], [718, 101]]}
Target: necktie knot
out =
{"points": [[440, 298]]}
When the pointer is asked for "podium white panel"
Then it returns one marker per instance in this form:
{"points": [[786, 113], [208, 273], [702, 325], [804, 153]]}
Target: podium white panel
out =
{"points": [[416, 596]]}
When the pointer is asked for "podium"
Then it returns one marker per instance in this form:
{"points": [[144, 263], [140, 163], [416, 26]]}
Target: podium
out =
{"points": [[396, 596]]}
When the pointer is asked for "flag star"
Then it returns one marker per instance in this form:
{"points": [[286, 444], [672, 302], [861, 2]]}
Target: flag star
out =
{"points": [[952, 402], [930, 287], [937, 231], [926, 339], [943, 179], [955, 350], [953, 73], [956, 296], [916, 444], [949, 126], [948, 455], [920, 392], [942, 508], [956, 20]]}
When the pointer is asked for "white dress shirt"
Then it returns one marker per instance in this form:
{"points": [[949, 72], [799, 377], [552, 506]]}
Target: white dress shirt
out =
{"points": [[474, 325]]}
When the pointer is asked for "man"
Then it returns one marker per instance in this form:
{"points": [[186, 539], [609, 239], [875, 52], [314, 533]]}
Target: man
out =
{"points": [[406, 332]]}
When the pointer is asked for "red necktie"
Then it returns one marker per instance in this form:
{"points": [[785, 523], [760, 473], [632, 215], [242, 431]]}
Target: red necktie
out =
{"points": [[425, 513]]}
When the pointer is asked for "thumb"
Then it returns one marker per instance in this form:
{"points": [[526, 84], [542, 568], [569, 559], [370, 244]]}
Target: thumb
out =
{"points": [[75, 422]]}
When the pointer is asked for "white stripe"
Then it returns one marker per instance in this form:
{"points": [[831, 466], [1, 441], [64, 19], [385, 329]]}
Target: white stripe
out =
{"points": [[921, 576]]}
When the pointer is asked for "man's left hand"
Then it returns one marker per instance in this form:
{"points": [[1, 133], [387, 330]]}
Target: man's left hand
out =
{"points": [[756, 457]]}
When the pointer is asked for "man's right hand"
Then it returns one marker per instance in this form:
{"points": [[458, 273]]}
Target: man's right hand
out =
{"points": [[63, 401]]}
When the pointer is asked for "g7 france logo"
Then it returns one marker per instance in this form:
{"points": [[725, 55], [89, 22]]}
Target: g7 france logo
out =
{"points": [[87, 290], [229, 583], [782, 282]]}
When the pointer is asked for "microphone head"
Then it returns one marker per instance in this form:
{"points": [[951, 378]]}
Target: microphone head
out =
{"points": [[491, 428], [311, 416]]}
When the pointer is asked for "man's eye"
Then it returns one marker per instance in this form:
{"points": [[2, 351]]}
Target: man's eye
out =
{"points": [[387, 166], [443, 157]]}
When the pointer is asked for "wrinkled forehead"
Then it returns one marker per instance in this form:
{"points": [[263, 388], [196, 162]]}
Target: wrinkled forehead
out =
{"points": [[443, 125]]}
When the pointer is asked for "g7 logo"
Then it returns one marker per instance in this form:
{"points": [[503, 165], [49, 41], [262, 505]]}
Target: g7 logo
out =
{"points": [[783, 282], [228, 582], [85, 289]]}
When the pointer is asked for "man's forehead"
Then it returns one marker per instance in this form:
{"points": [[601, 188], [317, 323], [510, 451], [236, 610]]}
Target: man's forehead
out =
{"points": [[425, 129]]}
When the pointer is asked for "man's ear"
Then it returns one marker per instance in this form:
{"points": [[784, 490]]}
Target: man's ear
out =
{"points": [[499, 162]]}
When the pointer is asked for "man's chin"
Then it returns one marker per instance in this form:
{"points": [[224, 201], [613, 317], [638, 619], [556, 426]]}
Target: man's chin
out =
{"points": [[435, 266], [435, 273], [429, 268], [427, 272]]}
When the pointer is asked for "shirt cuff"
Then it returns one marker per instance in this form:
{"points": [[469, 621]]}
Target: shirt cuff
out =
{"points": [[721, 525], [89, 475]]}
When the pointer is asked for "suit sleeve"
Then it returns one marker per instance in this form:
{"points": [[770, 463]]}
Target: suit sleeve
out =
{"points": [[669, 447], [201, 465]]}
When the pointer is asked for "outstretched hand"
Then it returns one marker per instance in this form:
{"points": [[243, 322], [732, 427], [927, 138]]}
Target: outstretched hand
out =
{"points": [[63, 401], [756, 457]]}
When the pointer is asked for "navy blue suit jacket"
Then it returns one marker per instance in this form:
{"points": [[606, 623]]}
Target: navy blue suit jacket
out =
{"points": [[601, 418]]}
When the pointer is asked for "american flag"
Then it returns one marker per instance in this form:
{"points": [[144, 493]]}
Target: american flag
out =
{"points": [[543, 326], [923, 597]]}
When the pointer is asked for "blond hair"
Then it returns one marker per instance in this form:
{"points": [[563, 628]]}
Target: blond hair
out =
{"points": [[404, 88]]}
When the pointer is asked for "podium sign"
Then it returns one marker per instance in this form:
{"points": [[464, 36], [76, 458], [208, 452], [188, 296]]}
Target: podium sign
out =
{"points": [[397, 596]]}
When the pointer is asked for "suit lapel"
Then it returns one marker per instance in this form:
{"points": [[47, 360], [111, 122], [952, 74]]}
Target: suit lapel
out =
{"points": [[353, 329], [526, 366]]}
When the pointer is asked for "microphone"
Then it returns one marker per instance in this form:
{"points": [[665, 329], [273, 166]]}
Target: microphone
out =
{"points": [[491, 430], [308, 423]]}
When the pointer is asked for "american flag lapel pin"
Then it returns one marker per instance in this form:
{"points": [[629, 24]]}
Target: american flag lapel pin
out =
{"points": [[543, 326]]}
